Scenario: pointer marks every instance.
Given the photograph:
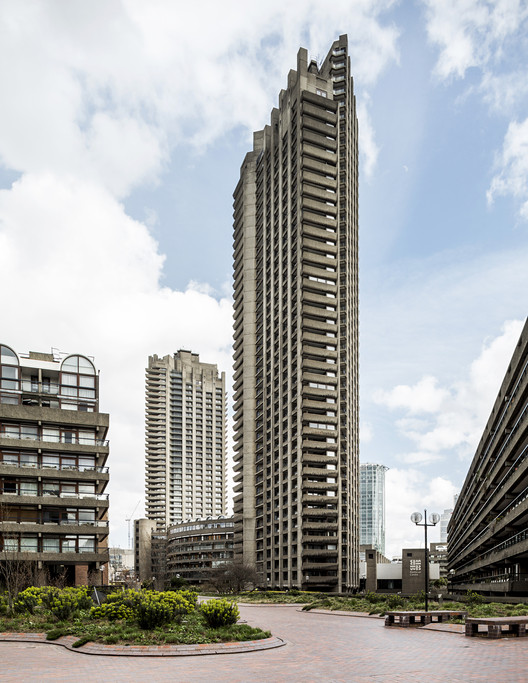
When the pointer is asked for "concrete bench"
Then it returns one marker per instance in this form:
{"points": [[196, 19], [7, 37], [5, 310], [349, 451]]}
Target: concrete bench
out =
{"points": [[413, 618], [496, 627]]}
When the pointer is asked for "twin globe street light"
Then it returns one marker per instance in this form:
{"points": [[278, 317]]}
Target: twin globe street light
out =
{"points": [[434, 518]]}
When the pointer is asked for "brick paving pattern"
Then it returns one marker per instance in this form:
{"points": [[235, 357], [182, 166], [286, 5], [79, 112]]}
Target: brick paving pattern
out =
{"points": [[320, 647]]}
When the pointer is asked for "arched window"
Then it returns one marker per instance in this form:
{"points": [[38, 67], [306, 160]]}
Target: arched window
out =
{"points": [[9, 374], [77, 382]]}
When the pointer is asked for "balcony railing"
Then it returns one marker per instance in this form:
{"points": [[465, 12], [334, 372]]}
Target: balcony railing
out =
{"points": [[100, 524], [75, 440], [59, 466], [56, 494]]}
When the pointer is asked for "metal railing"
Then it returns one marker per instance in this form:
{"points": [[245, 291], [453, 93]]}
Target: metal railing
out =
{"points": [[58, 466]]}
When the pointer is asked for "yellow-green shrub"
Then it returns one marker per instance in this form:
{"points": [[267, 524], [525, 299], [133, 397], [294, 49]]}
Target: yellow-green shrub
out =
{"points": [[220, 613], [112, 611]]}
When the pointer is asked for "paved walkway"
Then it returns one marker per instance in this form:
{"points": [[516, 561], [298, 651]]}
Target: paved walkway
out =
{"points": [[320, 647]]}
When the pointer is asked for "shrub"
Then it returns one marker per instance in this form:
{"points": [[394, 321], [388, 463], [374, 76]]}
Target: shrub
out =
{"points": [[47, 595], [152, 612], [178, 583], [178, 603], [394, 601], [191, 596], [128, 597], [373, 597], [27, 600], [220, 613], [63, 605], [473, 599], [112, 611], [82, 641]]}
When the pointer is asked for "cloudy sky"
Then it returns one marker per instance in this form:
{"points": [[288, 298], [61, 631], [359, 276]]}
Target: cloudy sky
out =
{"points": [[123, 125]]}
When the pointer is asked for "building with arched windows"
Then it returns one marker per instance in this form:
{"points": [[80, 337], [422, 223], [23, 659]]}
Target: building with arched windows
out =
{"points": [[53, 473]]}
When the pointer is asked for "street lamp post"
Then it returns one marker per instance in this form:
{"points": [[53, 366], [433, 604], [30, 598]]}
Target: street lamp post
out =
{"points": [[416, 517]]}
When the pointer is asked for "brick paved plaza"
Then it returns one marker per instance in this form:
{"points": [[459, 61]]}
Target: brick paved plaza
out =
{"points": [[320, 647]]}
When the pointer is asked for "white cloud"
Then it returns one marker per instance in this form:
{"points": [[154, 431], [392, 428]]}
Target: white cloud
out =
{"points": [[512, 174], [419, 458], [424, 396], [489, 35], [456, 414], [106, 93], [408, 491], [365, 432], [472, 33], [367, 139]]}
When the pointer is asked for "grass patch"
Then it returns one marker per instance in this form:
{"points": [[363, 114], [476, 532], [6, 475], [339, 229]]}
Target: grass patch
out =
{"points": [[193, 629], [373, 603], [294, 597]]}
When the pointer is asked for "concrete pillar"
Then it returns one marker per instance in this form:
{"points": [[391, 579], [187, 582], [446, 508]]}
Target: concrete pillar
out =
{"points": [[81, 574]]}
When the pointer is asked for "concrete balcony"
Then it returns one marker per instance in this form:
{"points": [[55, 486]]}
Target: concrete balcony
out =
{"points": [[64, 500], [329, 566]]}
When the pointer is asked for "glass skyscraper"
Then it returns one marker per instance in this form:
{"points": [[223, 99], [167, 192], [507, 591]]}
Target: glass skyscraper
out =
{"points": [[372, 506]]}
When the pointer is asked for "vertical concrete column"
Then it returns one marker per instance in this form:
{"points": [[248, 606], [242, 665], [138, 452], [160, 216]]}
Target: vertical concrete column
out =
{"points": [[81, 574]]}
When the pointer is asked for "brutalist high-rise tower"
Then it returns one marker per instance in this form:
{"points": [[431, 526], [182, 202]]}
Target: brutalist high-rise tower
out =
{"points": [[185, 439], [296, 335]]}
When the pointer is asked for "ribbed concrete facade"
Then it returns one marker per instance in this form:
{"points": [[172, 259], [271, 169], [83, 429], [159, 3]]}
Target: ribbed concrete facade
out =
{"points": [[296, 335], [488, 530], [185, 439]]}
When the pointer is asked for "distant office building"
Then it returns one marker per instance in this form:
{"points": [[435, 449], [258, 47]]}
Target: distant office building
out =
{"points": [[53, 474], [296, 373], [372, 506], [196, 546], [488, 536], [121, 564], [185, 439], [438, 555]]}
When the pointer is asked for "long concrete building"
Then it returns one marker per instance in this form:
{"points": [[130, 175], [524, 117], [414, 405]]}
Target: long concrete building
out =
{"points": [[53, 473], [296, 335], [488, 530], [185, 439]]}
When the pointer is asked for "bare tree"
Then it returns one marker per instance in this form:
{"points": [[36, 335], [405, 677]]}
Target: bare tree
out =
{"points": [[233, 577], [17, 572]]}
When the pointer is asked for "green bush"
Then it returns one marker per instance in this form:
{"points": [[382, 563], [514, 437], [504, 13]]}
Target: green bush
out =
{"points": [[178, 603], [178, 583], [473, 599], [395, 601], [63, 605], [190, 595], [373, 597], [112, 611], [27, 600], [47, 595], [127, 597], [152, 612], [82, 641], [220, 613], [81, 596]]}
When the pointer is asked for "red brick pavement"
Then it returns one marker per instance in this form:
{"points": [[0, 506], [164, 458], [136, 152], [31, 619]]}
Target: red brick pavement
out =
{"points": [[320, 647]]}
